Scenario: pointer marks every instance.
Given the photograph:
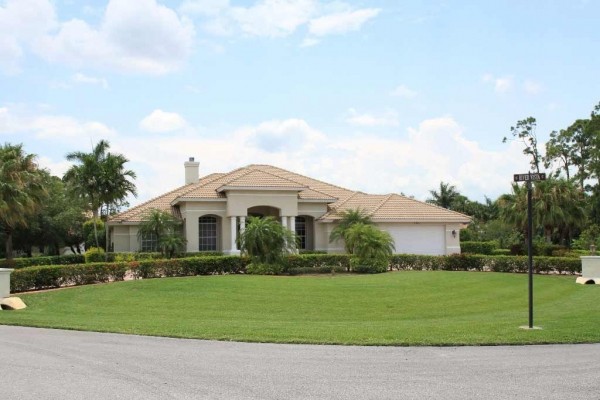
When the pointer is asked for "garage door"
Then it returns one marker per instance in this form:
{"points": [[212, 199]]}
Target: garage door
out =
{"points": [[418, 239]]}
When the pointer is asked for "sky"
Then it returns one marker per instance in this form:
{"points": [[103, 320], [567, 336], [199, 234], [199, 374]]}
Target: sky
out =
{"points": [[379, 96]]}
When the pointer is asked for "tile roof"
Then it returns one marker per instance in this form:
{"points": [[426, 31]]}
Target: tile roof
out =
{"points": [[390, 207]]}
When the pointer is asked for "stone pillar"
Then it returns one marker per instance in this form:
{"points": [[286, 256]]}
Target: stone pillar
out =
{"points": [[284, 222], [5, 282], [292, 224]]}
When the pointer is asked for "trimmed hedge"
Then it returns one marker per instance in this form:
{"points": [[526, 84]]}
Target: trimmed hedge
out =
{"points": [[479, 247], [45, 260], [468, 262], [54, 276]]}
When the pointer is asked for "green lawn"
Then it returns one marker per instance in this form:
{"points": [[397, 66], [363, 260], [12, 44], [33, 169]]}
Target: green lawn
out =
{"points": [[399, 308]]}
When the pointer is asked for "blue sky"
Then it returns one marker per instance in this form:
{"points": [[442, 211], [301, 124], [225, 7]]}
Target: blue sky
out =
{"points": [[379, 96]]}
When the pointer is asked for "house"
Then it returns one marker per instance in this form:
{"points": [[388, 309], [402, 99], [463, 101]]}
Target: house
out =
{"points": [[214, 207]]}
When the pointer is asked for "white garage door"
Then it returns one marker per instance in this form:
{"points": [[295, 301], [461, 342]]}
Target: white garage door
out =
{"points": [[418, 239]]}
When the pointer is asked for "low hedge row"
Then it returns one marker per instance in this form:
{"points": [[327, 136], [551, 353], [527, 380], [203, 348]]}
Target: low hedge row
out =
{"points": [[53, 276], [24, 262], [468, 262]]}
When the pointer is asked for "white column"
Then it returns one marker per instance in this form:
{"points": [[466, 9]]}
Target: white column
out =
{"points": [[284, 222], [242, 224], [233, 221], [292, 224]]}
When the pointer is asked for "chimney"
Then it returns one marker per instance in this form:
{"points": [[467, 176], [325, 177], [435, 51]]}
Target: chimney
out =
{"points": [[192, 171]]}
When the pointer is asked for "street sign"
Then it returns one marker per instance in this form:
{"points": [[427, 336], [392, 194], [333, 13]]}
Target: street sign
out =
{"points": [[530, 177]]}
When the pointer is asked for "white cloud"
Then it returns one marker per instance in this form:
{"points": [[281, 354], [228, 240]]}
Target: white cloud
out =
{"points": [[49, 126], [155, 41], [388, 118], [414, 162], [22, 22], [341, 22], [404, 92], [90, 80], [532, 87], [162, 121], [278, 18], [501, 84]]}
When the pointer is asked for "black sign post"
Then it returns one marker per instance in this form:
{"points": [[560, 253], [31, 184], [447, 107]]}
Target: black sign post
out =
{"points": [[529, 177]]}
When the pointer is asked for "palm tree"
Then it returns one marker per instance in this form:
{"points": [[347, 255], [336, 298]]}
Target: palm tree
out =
{"points": [[445, 197], [99, 178], [266, 241], [369, 243], [21, 190], [558, 207], [349, 218], [164, 227]]}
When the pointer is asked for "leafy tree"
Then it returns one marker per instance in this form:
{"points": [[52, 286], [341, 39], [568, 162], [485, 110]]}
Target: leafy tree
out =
{"points": [[349, 218], [100, 179], [91, 228], [525, 131], [266, 241], [165, 228], [446, 196], [21, 191]]}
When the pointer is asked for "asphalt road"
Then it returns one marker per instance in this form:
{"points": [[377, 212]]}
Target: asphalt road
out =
{"points": [[57, 364]]}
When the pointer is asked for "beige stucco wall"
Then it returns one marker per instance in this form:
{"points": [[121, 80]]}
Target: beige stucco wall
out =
{"points": [[192, 211], [124, 238], [238, 202]]}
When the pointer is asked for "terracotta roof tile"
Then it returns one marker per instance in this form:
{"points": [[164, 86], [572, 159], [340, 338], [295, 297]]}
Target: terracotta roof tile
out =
{"points": [[391, 207]]}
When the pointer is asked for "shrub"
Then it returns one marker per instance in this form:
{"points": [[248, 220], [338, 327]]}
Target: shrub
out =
{"points": [[323, 269], [317, 261], [264, 269], [501, 252], [369, 266], [46, 260], [479, 247], [94, 254]]}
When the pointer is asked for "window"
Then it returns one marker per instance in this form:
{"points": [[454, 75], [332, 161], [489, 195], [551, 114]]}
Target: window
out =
{"points": [[301, 232], [207, 233], [148, 242]]}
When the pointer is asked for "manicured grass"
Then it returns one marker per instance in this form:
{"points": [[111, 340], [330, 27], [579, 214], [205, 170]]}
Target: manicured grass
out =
{"points": [[399, 308]]}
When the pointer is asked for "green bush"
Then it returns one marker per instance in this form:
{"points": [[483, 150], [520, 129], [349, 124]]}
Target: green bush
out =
{"points": [[190, 266], [323, 269], [316, 261], [94, 254], [479, 247], [368, 266], [256, 268], [54, 276], [46, 260], [501, 252]]}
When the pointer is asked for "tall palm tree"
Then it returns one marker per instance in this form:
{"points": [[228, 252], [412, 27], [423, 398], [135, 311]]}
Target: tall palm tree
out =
{"points": [[349, 218], [99, 178], [445, 197], [21, 190]]}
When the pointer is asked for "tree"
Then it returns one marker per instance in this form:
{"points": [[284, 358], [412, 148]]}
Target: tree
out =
{"points": [[21, 191], [369, 243], [100, 179], [558, 208], [445, 197], [164, 227], [349, 218], [525, 131], [266, 241]]}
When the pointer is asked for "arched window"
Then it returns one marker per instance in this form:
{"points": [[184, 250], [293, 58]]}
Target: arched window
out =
{"points": [[301, 232], [207, 233]]}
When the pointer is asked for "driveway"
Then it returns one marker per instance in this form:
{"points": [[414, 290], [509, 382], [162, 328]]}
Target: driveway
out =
{"points": [[57, 364]]}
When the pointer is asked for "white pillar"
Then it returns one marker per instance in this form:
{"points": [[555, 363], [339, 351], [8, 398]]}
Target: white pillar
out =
{"points": [[284, 222], [242, 224], [233, 221], [292, 224]]}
